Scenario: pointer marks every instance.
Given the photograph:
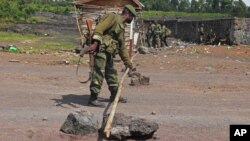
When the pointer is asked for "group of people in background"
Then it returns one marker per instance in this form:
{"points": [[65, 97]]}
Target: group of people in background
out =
{"points": [[157, 35], [208, 38]]}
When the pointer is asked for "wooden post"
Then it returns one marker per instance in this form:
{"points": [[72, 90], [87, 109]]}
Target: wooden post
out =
{"points": [[131, 35], [130, 48], [108, 126]]}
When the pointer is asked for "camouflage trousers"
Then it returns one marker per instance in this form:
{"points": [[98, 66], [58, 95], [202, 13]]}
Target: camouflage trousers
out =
{"points": [[103, 68], [164, 41], [157, 41], [149, 40]]}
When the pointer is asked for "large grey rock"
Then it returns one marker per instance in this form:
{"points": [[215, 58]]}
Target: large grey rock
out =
{"points": [[80, 123], [127, 127], [141, 128]]}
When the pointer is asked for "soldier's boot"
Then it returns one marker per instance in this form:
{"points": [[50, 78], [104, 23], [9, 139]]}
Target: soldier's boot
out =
{"points": [[93, 101], [121, 99]]}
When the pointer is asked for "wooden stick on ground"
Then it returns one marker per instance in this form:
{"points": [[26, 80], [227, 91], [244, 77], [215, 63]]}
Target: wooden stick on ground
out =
{"points": [[108, 126]]}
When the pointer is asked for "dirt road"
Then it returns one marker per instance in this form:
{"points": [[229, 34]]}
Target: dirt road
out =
{"points": [[195, 95]]}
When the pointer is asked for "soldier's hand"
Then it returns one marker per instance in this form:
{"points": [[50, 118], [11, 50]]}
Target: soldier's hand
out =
{"points": [[92, 48], [132, 71]]}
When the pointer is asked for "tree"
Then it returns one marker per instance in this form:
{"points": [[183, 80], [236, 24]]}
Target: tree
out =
{"points": [[208, 5], [239, 8], [248, 12], [184, 5], [226, 6], [174, 4], [201, 6], [216, 5], [194, 6]]}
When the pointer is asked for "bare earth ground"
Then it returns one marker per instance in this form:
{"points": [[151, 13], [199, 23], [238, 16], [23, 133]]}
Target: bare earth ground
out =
{"points": [[196, 95]]}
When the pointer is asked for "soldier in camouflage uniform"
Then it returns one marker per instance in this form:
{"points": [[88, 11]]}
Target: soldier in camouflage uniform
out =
{"points": [[211, 37], [108, 40], [157, 36], [150, 34], [166, 32], [201, 33]]}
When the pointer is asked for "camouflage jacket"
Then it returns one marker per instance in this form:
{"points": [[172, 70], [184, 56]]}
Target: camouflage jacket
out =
{"points": [[166, 31], [157, 29], [110, 32]]}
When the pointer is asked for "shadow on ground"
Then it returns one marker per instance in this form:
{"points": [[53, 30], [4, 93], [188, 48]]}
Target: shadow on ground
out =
{"points": [[73, 100]]}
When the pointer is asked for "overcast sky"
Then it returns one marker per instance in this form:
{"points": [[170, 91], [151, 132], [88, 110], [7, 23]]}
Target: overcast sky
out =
{"points": [[247, 2]]}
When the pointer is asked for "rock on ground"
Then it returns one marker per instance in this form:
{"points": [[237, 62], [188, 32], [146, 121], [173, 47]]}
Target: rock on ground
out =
{"points": [[127, 127], [140, 80], [80, 123]]}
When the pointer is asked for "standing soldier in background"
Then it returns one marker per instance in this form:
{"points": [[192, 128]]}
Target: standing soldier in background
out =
{"points": [[211, 37], [150, 34], [157, 36], [201, 33], [166, 32], [108, 40]]}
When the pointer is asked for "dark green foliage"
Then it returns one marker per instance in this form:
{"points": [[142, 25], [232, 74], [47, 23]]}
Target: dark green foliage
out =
{"points": [[21, 10], [232, 7], [184, 5]]}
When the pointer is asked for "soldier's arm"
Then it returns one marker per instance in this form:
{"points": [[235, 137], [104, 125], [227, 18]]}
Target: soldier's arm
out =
{"points": [[123, 51], [104, 25]]}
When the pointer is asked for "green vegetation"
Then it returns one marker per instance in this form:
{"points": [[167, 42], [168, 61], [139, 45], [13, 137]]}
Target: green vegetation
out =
{"points": [[13, 37], [47, 47], [148, 14], [22, 10], [36, 44], [36, 19], [229, 7]]}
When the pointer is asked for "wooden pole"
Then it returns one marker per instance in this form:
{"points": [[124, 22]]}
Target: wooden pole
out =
{"points": [[131, 36], [78, 25], [108, 126]]}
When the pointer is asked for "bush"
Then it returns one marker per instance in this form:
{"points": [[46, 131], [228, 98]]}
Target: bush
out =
{"points": [[19, 10]]}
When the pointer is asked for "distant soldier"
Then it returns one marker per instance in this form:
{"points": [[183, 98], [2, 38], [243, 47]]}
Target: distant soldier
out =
{"points": [[150, 34], [166, 32], [211, 37], [201, 33], [157, 36], [226, 38]]}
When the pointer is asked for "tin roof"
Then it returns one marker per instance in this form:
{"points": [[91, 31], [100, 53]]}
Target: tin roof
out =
{"points": [[110, 3]]}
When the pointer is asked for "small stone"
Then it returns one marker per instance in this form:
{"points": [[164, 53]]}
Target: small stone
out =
{"points": [[153, 113], [66, 62], [45, 118], [144, 80]]}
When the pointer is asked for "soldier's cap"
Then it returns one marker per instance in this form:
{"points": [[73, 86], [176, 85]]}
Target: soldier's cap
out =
{"points": [[131, 9]]}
